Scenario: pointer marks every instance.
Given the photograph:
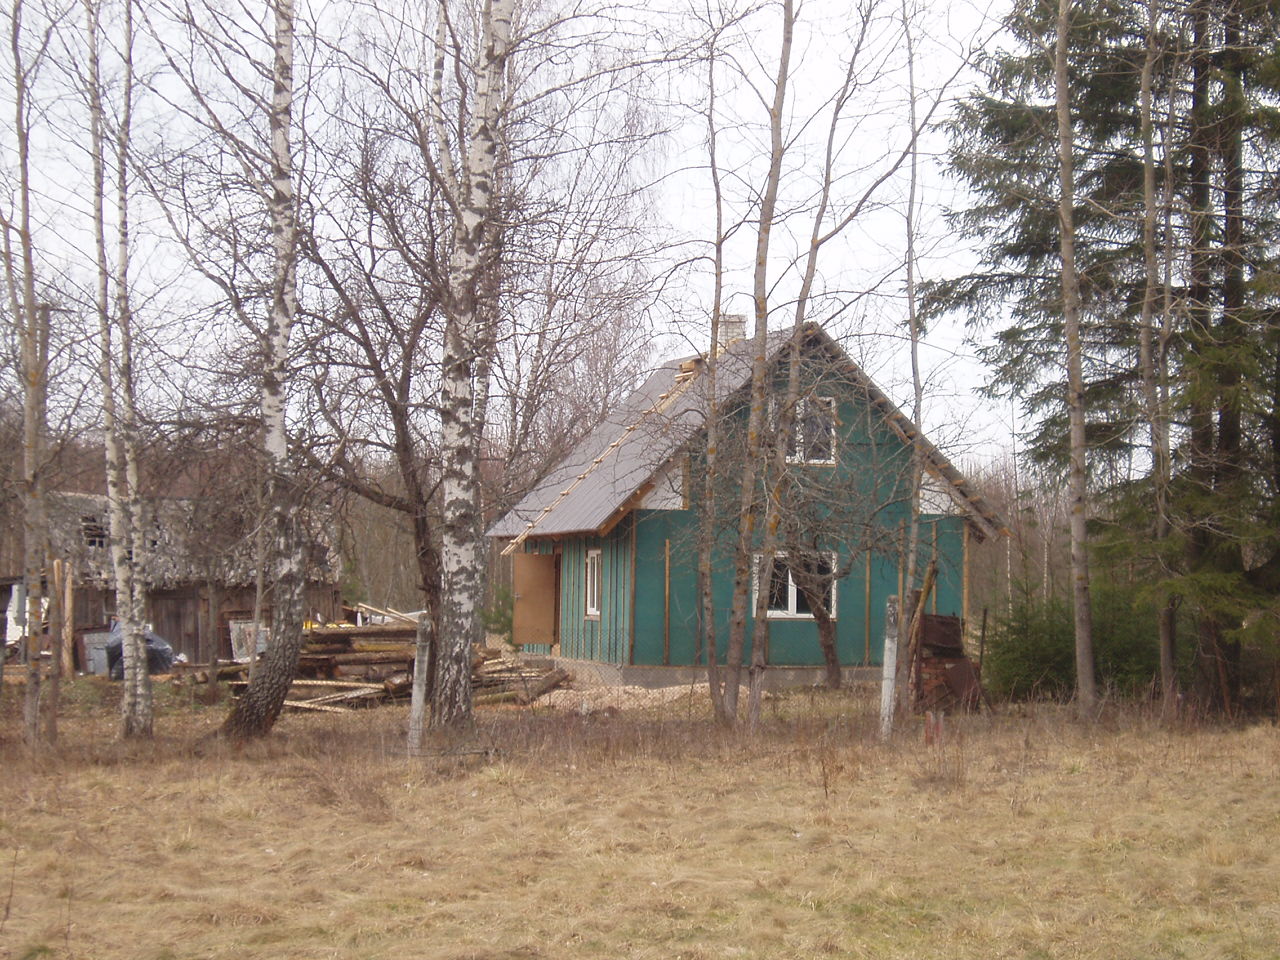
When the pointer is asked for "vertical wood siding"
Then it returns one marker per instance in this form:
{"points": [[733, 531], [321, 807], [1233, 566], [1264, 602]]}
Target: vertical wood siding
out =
{"points": [[608, 638]]}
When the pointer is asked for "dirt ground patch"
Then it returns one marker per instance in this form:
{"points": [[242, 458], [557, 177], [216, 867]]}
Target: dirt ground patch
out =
{"points": [[559, 834]]}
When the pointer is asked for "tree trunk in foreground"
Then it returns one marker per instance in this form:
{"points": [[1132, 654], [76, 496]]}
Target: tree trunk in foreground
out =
{"points": [[123, 513], [748, 507], [1152, 368], [259, 706], [33, 322], [471, 256], [1086, 685]]}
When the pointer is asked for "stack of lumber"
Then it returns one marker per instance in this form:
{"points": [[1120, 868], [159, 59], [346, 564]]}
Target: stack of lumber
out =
{"points": [[502, 680], [496, 679], [372, 652]]}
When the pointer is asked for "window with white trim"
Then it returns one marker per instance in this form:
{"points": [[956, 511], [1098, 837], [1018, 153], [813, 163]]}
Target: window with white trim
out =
{"points": [[812, 437], [813, 433], [591, 589], [786, 600]]}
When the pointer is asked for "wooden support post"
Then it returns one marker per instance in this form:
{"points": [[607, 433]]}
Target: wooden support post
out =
{"points": [[50, 708], [889, 670], [934, 609], [902, 553], [866, 627], [69, 621], [982, 642], [964, 579], [917, 602], [666, 603]]}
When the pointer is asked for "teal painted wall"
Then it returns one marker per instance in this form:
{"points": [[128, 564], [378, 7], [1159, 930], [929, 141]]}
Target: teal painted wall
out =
{"points": [[606, 638], [859, 639]]}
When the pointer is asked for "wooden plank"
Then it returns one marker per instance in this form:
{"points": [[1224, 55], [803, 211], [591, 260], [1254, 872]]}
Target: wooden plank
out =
{"points": [[866, 627], [666, 603], [69, 623], [322, 708], [347, 696], [547, 683], [533, 611], [370, 631], [627, 506], [352, 659]]}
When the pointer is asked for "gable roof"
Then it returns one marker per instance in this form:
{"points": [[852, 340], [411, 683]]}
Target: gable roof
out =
{"points": [[613, 466]]}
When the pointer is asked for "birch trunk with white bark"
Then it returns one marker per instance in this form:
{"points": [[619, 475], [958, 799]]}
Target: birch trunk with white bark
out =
{"points": [[710, 477], [463, 336], [258, 708], [912, 546], [123, 502]]}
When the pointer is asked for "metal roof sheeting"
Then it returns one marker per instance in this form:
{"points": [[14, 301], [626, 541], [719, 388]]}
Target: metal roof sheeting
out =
{"points": [[616, 460]]}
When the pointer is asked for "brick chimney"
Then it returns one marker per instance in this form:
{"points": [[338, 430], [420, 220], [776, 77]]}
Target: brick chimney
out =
{"points": [[733, 327]]}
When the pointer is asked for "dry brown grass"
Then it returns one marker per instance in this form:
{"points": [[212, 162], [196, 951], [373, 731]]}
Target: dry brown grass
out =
{"points": [[645, 835]]}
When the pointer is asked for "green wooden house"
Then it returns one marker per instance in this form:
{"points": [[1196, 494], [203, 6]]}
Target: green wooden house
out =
{"points": [[605, 548]]}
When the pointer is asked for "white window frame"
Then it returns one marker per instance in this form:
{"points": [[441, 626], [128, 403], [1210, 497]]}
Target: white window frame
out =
{"points": [[593, 583], [796, 442], [793, 591]]}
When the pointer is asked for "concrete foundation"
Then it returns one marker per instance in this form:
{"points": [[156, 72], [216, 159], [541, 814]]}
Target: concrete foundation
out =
{"points": [[591, 673]]}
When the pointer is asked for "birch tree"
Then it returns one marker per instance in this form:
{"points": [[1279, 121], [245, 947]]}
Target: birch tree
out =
{"points": [[473, 187], [227, 190], [256, 710], [115, 333], [32, 318]]}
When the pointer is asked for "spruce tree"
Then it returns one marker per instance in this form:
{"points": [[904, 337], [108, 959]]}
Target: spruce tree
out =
{"points": [[1215, 127]]}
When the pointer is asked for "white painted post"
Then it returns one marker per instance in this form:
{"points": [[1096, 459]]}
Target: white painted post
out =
{"points": [[889, 671]]}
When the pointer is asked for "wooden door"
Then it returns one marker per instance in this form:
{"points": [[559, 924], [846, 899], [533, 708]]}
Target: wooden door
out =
{"points": [[533, 617]]}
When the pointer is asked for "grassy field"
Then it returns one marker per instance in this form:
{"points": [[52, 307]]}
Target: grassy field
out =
{"points": [[643, 833]]}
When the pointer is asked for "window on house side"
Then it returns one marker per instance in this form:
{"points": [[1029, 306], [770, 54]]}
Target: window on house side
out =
{"points": [[95, 534], [592, 589], [786, 599]]}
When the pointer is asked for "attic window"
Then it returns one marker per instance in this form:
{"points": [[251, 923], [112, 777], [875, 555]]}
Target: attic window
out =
{"points": [[94, 533], [813, 434]]}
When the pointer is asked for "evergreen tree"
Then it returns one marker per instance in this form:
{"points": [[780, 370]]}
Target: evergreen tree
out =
{"points": [[1215, 123]]}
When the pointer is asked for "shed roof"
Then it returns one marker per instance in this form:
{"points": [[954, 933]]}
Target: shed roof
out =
{"points": [[611, 468]]}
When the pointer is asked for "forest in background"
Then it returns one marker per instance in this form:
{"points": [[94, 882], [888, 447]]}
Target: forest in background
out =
{"points": [[393, 262]]}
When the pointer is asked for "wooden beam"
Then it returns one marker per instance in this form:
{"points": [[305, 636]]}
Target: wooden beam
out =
{"points": [[666, 603], [964, 579], [69, 622], [627, 506], [866, 639], [631, 642]]}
